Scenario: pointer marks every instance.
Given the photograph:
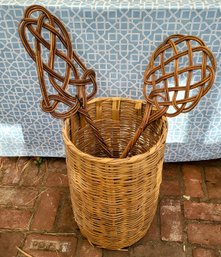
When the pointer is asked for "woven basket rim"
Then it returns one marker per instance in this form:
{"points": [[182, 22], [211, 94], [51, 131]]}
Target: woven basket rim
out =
{"points": [[113, 160]]}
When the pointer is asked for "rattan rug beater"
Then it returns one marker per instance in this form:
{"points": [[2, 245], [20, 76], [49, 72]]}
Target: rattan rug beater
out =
{"points": [[114, 198]]}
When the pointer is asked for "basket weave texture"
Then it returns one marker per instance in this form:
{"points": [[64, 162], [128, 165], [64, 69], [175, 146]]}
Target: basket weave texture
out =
{"points": [[114, 200]]}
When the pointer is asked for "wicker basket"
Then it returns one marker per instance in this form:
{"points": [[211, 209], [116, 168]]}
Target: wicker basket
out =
{"points": [[114, 200]]}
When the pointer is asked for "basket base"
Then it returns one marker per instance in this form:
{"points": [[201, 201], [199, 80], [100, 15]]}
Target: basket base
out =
{"points": [[115, 245]]}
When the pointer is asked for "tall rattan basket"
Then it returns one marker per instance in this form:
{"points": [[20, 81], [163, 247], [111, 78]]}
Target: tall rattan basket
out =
{"points": [[114, 200]]}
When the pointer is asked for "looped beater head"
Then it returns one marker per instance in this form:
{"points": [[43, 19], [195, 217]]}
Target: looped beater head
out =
{"points": [[50, 48], [180, 72]]}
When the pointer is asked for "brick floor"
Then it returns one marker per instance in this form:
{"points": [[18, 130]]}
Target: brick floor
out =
{"points": [[36, 214]]}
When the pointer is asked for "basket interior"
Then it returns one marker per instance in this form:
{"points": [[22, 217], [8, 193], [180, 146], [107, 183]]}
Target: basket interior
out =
{"points": [[117, 123]]}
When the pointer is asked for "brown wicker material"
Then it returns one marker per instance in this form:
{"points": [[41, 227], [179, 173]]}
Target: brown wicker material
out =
{"points": [[160, 96], [76, 73], [165, 95], [114, 200]]}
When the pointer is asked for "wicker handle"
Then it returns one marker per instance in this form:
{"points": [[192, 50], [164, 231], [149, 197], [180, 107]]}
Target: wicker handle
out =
{"points": [[164, 95], [138, 132], [46, 22]]}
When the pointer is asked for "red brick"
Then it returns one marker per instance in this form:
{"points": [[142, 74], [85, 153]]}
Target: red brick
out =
{"points": [[57, 165], [50, 246], [207, 234], [17, 197], [170, 188], [202, 211], [33, 174], [171, 171], [153, 232], [47, 209], [57, 179], [192, 180], [14, 219], [171, 220], [108, 253], [12, 169], [65, 219], [8, 249], [87, 250], [41, 254], [191, 171], [160, 249], [201, 252], [213, 181]]}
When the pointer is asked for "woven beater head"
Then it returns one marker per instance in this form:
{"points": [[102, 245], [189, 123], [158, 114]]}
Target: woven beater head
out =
{"points": [[180, 72], [37, 20]]}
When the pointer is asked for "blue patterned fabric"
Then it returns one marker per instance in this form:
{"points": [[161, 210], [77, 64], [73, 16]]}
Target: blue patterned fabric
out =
{"points": [[116, 39]]}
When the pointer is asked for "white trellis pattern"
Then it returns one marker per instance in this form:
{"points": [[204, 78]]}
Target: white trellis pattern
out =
{"points": [[116, 39]]}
